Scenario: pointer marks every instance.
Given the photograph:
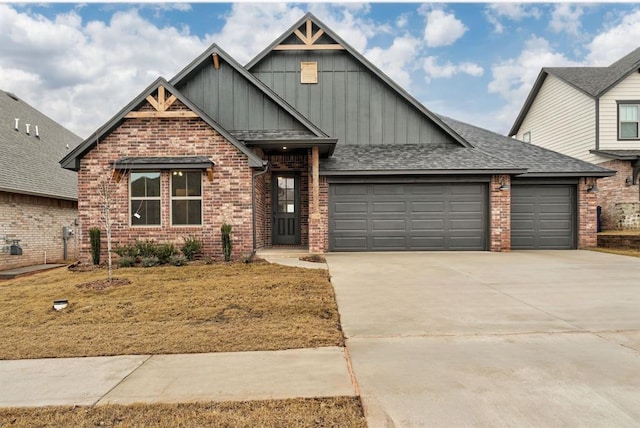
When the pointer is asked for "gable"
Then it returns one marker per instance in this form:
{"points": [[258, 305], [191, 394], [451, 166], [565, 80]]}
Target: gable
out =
{"points": [[352, 100], [160, 100], [235, 103]]}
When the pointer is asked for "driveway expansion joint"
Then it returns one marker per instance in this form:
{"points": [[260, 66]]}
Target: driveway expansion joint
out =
{"points": [[122, 380]]}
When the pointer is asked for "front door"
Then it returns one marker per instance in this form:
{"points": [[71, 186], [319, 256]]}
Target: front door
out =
{"points": [[286, 209]]}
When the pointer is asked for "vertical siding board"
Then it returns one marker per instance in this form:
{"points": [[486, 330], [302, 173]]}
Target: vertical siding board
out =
{"points": [[401, 122], [376, 117], [340, 112], [327, 102], [352, 107], [413, 126], [364, 107], [240, 103], [225, 89], [389, 120]]}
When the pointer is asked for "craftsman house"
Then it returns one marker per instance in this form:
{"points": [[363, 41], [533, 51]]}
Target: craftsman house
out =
{"points": [[591, 113], [38, 199], [311, 145]]}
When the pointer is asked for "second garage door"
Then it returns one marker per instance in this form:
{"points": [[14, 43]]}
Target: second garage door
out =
{"points": [[416, 216], [543, 217]]}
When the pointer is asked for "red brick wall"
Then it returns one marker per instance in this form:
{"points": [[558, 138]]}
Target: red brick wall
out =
{"points": [[37, 222], [612, 190], [500, 213], [226, 199], [587, 215], [319, 227], [293, 163]]}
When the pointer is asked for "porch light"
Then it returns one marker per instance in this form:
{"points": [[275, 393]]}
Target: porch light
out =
{"points": [[628, 181], [592, 189], [503, 187], [284, 147], [178, 173]]}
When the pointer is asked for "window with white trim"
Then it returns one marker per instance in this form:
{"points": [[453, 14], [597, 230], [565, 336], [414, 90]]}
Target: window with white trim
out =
{"points": [[526, 137], [145, 198], [186, 198], [628, 121]]}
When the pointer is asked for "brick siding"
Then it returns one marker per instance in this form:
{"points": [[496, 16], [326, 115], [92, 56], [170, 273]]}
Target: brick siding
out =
{"points": [[613, 190], [37, 222], [500, 213], [228, 198], [587, 215]]}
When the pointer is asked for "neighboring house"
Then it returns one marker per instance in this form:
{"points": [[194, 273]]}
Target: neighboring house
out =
{"points": [[592, 113], [311, 145], [37, 197]]}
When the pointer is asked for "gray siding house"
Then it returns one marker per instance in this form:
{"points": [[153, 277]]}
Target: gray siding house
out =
{"points": [[311, 145], [37, 197]]}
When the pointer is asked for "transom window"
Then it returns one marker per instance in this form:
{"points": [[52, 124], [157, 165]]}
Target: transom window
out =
{"points": [[186, 198], [145, 198], [628, 121]]}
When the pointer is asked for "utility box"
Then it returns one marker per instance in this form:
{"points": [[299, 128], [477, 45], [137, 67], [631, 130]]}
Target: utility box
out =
{"points": [[67, 232]]}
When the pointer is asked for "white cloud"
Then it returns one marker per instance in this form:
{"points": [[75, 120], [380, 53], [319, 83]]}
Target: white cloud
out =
{"points": [[565, 17], [496, 12], [616, 41], [434, 70], [397, 59], [81, 73], [513, 78], [442, 28]]}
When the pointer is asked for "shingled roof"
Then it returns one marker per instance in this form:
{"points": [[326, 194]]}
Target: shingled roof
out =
{"points": [[538, 161], [592, 81], [29, 161]]}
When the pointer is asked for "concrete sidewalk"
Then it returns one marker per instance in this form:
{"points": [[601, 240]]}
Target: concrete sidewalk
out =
{"points": [[230, 376]]}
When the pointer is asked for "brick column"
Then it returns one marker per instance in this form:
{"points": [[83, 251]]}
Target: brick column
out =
{"points": [[500, 212], [587, 215], [316, 239]]}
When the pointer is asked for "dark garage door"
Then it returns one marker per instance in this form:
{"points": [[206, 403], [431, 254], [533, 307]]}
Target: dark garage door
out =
{"points": [[543, 217], [395, 217]]}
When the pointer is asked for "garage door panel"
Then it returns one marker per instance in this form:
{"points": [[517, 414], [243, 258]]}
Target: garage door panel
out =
{"points": [[354, 189], [388, 207], [356, 243], [412, 217], [385, 225], [356, 225], [543, 216], [351, 207]]}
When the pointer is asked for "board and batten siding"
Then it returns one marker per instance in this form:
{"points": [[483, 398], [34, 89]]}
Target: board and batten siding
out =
{"points": [[562, 119], [234, 102], [627, 89], [349, 102]]}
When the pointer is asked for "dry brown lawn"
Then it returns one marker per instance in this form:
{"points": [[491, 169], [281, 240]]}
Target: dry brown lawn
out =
{"points": [[316, 412], [621, 251], [165, 310]]}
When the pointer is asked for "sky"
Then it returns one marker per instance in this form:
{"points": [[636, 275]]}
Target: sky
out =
{"points": [[80, 63]]}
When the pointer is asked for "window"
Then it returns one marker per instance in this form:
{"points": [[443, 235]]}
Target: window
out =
{"points": [[526, 137], [145, 198], [286, 195], [186, 198], [628, 121]]}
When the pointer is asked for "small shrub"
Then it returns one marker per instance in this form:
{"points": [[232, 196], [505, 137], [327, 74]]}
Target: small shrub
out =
{"points": [[128, 250], [126, 261], [146, 248], [177, 260], [191, 247], [227, 245], [94, 238], [164, 252], [150, 261]]}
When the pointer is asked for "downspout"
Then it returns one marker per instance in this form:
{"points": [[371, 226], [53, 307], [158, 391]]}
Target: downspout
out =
{"points": [[253, 208]]}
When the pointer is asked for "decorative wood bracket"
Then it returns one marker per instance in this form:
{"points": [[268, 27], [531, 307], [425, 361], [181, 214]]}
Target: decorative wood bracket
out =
{"points": [[309, 39], [210, 174], [216, 61], [161, 104]]}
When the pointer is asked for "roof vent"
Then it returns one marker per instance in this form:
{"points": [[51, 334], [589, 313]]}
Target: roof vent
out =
{"points": [[37, 132], [17, 123], [14, 96]]}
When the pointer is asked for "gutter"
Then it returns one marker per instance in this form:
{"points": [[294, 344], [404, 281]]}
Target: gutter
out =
{"points": [[253, 207]]}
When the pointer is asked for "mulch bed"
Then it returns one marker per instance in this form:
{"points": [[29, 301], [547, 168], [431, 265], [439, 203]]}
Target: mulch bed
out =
{"points": [[103, 284]]}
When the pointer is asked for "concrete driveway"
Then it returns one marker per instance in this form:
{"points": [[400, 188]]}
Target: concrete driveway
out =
{"points": [[544, 338]]}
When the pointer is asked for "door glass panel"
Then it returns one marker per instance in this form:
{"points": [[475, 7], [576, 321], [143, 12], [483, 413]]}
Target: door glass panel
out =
{"points": [[286, 195]]}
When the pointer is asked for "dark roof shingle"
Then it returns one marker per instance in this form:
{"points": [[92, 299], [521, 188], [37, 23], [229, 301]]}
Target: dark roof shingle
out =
{"points": [[29, 163]]}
